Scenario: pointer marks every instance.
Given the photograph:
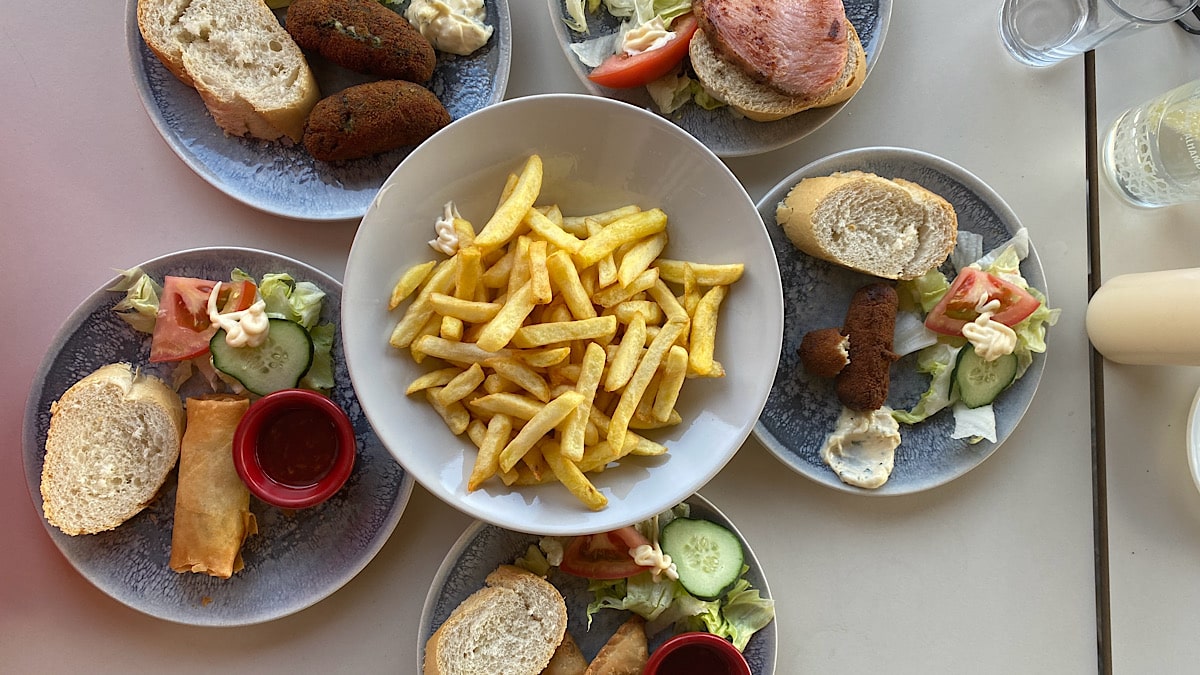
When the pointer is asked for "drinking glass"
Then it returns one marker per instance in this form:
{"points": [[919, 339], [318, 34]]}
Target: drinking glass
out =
{"points": [[1045, 32], [1151, 153]]}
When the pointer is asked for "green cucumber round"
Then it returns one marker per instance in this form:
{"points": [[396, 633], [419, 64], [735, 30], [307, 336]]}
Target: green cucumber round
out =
{"points": [[278, 363], [708, 557], [980, 382]]}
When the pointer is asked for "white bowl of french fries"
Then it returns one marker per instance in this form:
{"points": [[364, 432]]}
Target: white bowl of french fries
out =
{"points": [[599, 334]]}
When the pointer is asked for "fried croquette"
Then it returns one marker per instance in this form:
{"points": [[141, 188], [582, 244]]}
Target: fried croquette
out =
{"points": [[823, 352], [870, 324], [364, 36], [371, 118]]}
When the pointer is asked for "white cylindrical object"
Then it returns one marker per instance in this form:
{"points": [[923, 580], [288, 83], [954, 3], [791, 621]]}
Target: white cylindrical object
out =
{"points": [[1148, 318]]}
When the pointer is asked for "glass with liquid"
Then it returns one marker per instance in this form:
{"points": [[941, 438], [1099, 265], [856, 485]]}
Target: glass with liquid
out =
{"points": [[1151, 154], [1147, 318]]}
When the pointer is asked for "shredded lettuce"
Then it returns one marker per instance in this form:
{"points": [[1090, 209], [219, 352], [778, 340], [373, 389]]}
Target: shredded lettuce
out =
{"points": [[938, 361], [671, 91], [320, 374], [288, 299], [139, 307], [911, 334], [968, 248], [741, 613], [534, 561], [924, 292], [974, 423]]}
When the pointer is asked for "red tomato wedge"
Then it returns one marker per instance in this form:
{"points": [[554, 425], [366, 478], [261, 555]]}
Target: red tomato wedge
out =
{"points": [[970, 289], [621, 71], [604, 555], [182, 329]]}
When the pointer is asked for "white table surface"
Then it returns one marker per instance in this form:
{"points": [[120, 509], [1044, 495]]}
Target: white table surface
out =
{"points": [[992, 573], [1153, 507]]}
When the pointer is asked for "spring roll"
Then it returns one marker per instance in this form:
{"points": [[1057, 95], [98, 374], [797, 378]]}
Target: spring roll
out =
{"points": [[212, 505]]}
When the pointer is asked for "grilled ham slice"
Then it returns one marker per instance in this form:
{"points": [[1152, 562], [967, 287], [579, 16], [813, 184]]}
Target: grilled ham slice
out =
{"points": [[797, 47]]}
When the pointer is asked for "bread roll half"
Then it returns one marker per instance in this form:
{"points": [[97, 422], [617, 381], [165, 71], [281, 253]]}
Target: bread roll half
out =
{"points": [[114, 436], [889, 228], [510, 627]]}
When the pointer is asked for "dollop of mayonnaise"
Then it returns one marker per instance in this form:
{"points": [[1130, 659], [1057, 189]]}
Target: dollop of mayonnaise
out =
{"points": [[447, 236], [991, 339], [243, 328], [452, 26], [650, 35], [652, 556], [862, 448]]}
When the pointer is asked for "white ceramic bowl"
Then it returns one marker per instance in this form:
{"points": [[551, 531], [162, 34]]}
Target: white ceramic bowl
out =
{"points": [[598, 154]]}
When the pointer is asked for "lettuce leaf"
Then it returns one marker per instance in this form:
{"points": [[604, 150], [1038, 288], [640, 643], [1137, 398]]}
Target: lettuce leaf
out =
{"points": [[139, 307], [741, 613], [924, 292], [320, 374], [288, 299], [974, 423], [938, 361]]}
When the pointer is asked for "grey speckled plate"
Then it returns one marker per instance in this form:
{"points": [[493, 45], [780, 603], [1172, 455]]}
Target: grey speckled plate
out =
{"points": [[801, 409], [483, 547], [724, 132], [297, 558], [286, 180]]}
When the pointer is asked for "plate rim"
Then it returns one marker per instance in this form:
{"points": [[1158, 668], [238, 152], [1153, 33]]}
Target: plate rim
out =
{"points": [[821, 116], [454, 553], [136, 51], [30, 445], [994, 201]]}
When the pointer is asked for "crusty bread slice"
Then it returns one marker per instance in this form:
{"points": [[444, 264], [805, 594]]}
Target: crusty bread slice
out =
{"points": [[510, 627], [726, 81], [894, 229], [114, 437], [251, 75]]}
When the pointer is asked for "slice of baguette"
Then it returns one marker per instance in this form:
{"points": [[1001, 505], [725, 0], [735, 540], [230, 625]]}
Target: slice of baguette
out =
{"points": [[726, 81], [114, 437], [894, 229], [510, 627], [251, 75]]}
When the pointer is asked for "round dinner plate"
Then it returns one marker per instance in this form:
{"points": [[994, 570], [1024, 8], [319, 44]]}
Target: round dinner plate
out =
{"points": [[725, 132], [298, 557], [1193, 439], [483, 547], [802, 409], [284, 179]]}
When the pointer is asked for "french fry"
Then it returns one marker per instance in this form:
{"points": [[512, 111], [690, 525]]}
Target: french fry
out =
{"points": [[464, 383], [551, 232], [476, 431], [455, 415], [434, 378], [517, 406], [706, 275], [503, 223], [539, 276], [621, 231], [550, 415], [674, 372], [455, 352], [441, 280], [538, 335], [470, 269], [704, 330], [433, 328], [640, 256], [572, 478], [521, 374], [544, 358], [465, 310], [507, 322], [668, 302], [632, 394], [487, 461], [465, 232], [628, 354], [691, 289], [650, 311], [409, 282], [566, 279], [451, 328], [577, 225], [520, 267], [574, 434], [616, 293], [497, 275], [494, 384]]}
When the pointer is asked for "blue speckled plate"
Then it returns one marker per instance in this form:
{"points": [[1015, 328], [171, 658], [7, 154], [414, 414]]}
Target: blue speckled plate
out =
{"points": [[286, 180], [801, 409], [482, 548], [297, 558], [725, 132]]}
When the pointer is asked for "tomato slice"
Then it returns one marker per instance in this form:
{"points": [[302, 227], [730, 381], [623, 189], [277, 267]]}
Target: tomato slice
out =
{"points": [[970, 289], [182, 329], [621, 71], [604, 555]]}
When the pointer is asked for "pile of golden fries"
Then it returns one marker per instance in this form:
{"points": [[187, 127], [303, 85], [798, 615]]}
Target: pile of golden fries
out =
{"points": [[560, 335]]}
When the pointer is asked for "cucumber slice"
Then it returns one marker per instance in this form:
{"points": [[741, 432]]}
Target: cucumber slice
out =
{"points": [[980, 382], [708, 557], [278, 363]]}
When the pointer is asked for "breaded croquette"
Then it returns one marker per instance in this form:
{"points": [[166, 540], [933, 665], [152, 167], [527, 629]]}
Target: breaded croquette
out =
{"points": [[823, 352], [870, 324], [364, 36], [370, 118]]}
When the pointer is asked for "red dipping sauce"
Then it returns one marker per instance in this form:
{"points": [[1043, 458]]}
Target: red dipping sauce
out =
{"points": [[294, 448], [697, 654], [297, 447]]}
